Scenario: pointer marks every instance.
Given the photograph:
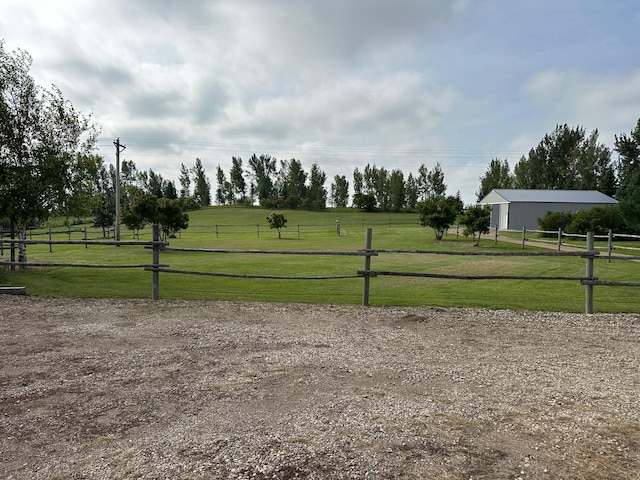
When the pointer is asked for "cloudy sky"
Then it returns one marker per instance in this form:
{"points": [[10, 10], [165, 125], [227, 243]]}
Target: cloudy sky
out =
{"points": [[344, 83]]}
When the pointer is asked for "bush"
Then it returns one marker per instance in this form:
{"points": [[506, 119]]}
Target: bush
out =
{"points": [[598, 220], [552, 221]]}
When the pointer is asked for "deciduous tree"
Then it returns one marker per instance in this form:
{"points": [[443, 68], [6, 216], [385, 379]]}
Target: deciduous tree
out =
{"points": [[498, 175], [476, 219], [278, 221], [628, 148], [237, 181], [439, 214], [42, 139], [340, 191], [202, 187]]}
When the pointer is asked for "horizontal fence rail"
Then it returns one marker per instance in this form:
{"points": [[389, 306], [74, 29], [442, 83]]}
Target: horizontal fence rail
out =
{"points": [[589, 254], [561, 235]]}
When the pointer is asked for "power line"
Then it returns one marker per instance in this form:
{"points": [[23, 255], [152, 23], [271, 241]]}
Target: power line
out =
{"points": [[339, 152]]}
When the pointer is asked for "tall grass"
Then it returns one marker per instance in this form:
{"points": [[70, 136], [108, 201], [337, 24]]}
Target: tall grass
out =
{"points": [[247, 229]]}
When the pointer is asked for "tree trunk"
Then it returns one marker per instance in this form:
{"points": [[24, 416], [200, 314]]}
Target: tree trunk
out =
{"points": [[22, 247]]}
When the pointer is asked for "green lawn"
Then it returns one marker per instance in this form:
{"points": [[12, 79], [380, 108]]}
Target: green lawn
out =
{"points": [[247, 229]]}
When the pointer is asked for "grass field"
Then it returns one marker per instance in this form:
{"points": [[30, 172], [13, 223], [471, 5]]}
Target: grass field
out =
{"points": [[247, 229]]}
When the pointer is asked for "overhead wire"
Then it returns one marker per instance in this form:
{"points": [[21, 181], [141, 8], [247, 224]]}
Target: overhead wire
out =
{"points": [[278, 150]]}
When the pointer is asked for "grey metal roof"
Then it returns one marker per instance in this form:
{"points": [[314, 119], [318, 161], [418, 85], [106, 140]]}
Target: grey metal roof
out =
{"points": [[547, 196]]}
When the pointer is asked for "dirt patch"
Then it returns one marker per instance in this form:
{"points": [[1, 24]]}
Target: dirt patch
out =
{"points": [[141, 389]]}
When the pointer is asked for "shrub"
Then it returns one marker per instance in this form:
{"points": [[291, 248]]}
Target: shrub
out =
{"points": [[552, 221], [598, 220]]}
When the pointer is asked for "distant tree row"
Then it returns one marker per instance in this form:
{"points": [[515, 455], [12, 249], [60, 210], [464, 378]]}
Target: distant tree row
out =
{"points": [[287, 187], [290, 186]]}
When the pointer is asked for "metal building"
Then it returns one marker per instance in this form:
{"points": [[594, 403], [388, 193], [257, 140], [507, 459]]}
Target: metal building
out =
{"points": [[513, 209]]}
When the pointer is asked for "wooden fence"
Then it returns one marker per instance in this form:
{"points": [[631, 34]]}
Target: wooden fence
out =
{"points": [[563, 238], [367, 273]]}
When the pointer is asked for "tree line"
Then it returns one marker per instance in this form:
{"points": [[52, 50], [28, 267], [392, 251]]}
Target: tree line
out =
{"points": [[286, 184]]}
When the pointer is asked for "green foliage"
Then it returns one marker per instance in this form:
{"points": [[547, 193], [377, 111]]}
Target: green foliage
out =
{"points": [[628, 148], [598, 220], [171, 217], [147, 208], [103, 214], [202, 187], [365, 201], [630, 202], [439, 214], [278, 221], [263, 171], [552, 221], [566, 159], [476, 219], [498, 175], [43, 142], [340, 191]]}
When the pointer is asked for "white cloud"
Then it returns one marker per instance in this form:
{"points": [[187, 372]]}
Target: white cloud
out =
{"points": [[608, 102], [340, 82]]}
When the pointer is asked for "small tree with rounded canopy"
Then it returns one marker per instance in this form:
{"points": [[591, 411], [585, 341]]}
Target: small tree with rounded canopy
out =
{"points": [[476, 219], [439, 214], [278, 221]]}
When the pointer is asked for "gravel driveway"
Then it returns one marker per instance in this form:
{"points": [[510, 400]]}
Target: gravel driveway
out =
{"points": [[168, 389]]}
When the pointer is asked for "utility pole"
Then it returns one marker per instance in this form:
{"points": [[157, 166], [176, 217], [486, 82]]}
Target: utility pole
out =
{"points": [[119, 148]]}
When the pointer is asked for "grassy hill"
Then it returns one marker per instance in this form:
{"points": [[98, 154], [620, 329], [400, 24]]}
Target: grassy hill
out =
{"points": [[225, 228]]}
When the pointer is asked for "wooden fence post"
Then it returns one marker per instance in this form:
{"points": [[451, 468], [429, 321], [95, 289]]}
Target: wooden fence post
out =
{"points": [[50, 244], [559, 237], [495, 241], [13, 245], [524, 236], [610, 245], [86, 245], [367, 267], [588, 298], [155, 274], [1, 242]]}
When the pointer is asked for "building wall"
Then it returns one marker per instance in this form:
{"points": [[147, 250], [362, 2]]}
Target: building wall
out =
{"points": [[500, 215], [527, 214]]}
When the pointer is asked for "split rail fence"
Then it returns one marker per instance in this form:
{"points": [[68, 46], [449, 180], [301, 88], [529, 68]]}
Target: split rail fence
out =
{"points": [[562, 239], [367, 273]]}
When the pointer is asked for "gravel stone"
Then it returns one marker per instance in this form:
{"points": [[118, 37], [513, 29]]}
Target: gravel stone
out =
{"points": [[117, 388]]}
